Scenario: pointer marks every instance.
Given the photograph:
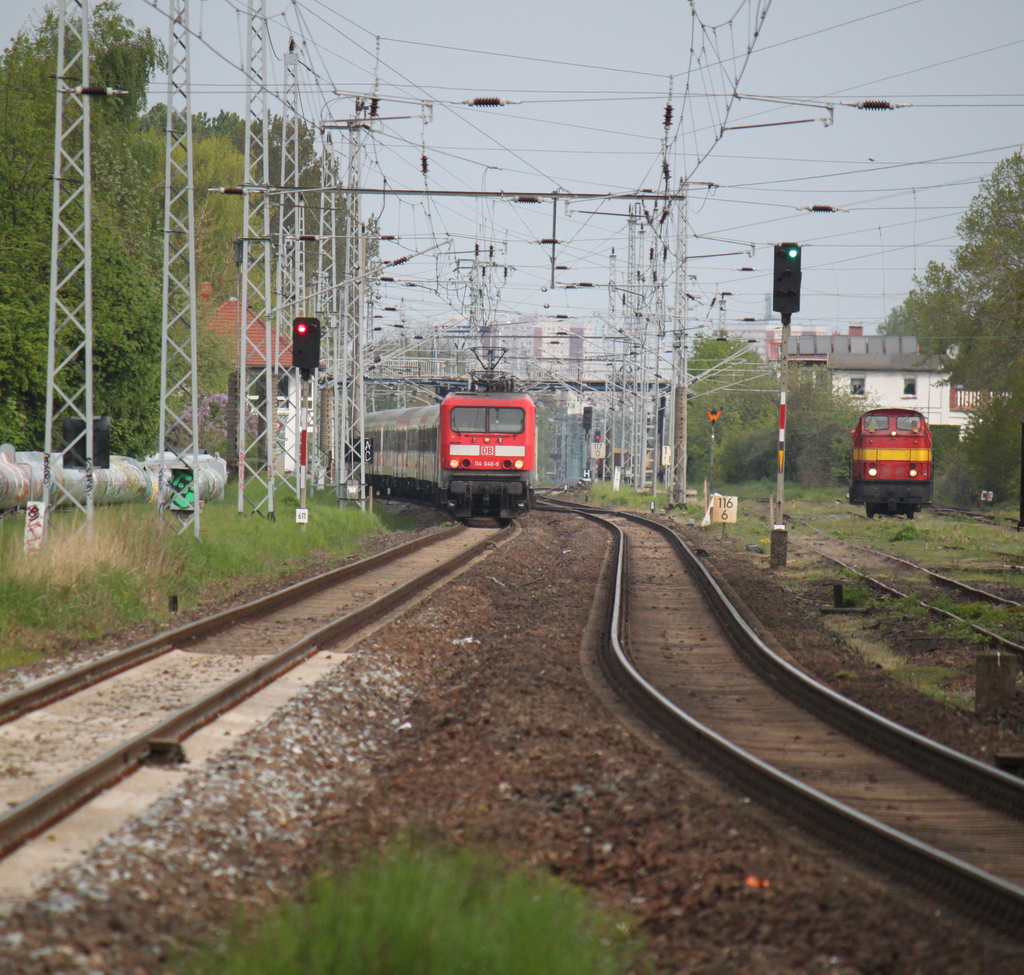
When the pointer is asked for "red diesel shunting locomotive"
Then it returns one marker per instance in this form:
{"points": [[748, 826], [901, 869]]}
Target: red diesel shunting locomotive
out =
{"points": [[473, 454], [892, 463]]}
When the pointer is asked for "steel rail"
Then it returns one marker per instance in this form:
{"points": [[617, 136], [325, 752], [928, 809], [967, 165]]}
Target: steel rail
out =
{"points": [[54, 688], [971, 890], [50, 805], [1012, 646], [937, 576]]}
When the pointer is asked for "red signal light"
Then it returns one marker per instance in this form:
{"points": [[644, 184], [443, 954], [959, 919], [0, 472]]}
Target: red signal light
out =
{"points": [[306, 344]]}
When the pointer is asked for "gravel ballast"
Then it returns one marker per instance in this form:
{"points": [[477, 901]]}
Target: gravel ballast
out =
{"points": [[475, 719]]}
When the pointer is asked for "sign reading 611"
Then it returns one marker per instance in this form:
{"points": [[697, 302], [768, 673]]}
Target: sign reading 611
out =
{"points": [[724, 509]]}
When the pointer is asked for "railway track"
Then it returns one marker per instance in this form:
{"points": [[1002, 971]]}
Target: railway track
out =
{"points": [[682, 656], [73, 735], [972, 592], [943, 580]]}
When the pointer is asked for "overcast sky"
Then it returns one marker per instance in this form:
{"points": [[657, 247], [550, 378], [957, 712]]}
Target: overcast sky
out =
{"points": [[593, 80]]}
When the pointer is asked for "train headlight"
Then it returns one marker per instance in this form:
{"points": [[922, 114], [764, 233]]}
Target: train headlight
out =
{"points": [[518, 465], [453, 463], [913, 472], [873, 471]]}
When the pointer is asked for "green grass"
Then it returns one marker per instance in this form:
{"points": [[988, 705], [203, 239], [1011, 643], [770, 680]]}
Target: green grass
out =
{"points": [[428, 912], [626, 497], [87, 584], [930, 680]]}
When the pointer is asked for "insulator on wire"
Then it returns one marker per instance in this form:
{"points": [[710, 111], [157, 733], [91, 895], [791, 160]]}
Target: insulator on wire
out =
{"points": [[527, 199], [98, 90], [397, 261], [875, 104], [668, 115], [485, 102], [822, 208], [665, 170], [374, 102], [423, 164]]}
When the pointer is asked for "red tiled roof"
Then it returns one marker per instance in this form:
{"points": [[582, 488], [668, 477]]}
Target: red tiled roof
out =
{"points": [[225, 321]]}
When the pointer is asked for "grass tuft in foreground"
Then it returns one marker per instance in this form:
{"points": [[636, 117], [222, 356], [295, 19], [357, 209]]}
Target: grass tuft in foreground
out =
{"points": [[427, 912]]}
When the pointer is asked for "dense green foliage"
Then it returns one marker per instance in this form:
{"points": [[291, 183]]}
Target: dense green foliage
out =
{"points": [[818, 421], [973, 312], [434, 913], [128, 151], [125, 231], [973, 309]]}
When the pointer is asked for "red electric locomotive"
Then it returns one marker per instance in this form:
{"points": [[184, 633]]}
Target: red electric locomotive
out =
{"points": [[473, 454], [892, 463]]}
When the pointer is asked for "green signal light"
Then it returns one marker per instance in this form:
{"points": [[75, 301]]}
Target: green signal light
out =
{"points": [[793, 252]]}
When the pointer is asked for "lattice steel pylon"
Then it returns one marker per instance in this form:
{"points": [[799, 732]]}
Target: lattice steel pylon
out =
{"points": [[680, 364], [258, 339], [69, 380], [290, 299], [643, 311], [351, 381], [325, 303], [179, 392]]}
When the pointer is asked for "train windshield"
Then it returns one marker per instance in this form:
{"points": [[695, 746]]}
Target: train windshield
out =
{"points": [[876, 423], [506, 419], [909, 423], [469, 419], [493, 419]]}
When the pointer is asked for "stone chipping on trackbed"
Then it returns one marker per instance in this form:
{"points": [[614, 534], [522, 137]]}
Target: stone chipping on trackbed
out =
{"points": [[475, 719]]}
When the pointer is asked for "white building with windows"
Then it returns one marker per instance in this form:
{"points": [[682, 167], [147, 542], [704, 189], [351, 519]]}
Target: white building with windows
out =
{"points": [[887, 371]]}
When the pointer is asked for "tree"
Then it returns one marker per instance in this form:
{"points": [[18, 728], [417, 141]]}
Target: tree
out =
{"points": [[819, 419], [819, 448], [974, 310], [126, 233], [729, 377]]}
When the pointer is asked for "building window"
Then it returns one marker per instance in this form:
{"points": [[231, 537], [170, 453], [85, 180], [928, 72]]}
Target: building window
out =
{"points": [[856, 385], [910, 385]]}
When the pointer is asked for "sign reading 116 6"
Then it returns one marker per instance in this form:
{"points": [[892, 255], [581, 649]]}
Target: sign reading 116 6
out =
{"points": [[724, 509]]}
